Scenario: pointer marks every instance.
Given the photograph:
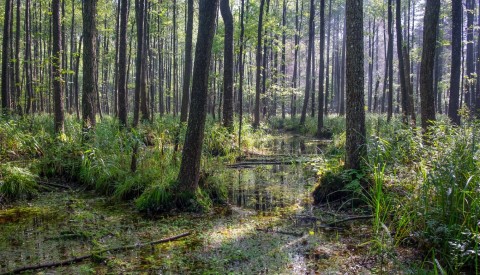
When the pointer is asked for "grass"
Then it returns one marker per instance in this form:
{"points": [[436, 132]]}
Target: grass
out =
{"points": [[101, 159], [422, 195]]}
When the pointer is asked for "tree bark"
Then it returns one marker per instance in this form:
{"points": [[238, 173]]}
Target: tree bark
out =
{"points": [[188, 63], [430, 23], [355, 114], [89, 97], [321, 69], [311, 43], [192, 149], [5, 57], [122, 64], [228, 65], [58, 96], [256, 111]]}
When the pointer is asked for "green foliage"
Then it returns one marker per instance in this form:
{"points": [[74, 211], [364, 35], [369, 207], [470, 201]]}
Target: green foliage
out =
{"points": [[17, 182]]}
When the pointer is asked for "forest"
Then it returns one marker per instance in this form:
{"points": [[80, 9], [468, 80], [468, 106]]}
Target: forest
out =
{"points": [[240, 137]]}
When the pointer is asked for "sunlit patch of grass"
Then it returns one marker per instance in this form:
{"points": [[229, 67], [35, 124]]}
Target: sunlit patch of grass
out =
{"points": [[17, 182]]}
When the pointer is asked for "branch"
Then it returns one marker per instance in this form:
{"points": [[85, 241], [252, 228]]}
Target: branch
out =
{"points": [[85, 257]]}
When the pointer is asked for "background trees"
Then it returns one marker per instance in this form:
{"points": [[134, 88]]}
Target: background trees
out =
{"points": [[268, 75]]}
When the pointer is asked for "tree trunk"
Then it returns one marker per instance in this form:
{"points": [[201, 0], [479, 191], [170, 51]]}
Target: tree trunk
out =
{"points": [[90, 87], [5, 57], [356, 134], [122, 64], [321, 69], [430, 23], [192, 150], [469, 58], [390, 61], [256, 120], [311, 41], [188, 63], [139, 12], [58, 96], [228, 65], [403, 77], [283, 66]]}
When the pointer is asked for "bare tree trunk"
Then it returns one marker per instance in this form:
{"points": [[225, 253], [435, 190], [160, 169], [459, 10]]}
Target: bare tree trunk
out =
{"points": [[311, 41], [190, 167], [321, 69], [430, 24], [5, 57], [57, 67], [256, 121], [228, 65], [90, 88], [188, 63], [355, 133], [122, 64]]}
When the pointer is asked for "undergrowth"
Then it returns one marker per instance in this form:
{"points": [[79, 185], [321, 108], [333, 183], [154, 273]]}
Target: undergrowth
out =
{"points": [[101, 159], [421, 194]]}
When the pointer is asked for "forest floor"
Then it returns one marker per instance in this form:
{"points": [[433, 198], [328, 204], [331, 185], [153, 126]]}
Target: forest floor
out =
{"points": [[261, 230]]}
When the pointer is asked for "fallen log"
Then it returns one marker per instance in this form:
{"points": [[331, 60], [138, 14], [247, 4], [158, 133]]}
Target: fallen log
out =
{"points": [[85, 257]]}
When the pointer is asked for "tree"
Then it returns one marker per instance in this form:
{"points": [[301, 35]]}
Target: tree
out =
{"points": [[192, 150], [228, 65], [311, 45], [430, 23], [139, 16], [355, 111], [469, 90], [58, 96], [400, 46], [188, 63], [256, 111], [122, 64], [89, 99], [321, 69], [5, 56], [390, 61]]}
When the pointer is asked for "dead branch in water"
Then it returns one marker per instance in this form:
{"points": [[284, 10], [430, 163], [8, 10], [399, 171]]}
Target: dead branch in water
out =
{"points": [[85, 257]]}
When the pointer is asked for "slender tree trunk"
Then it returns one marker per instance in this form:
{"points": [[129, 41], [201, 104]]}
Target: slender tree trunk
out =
{"points": [[190, 167], [283, 65], [240, 85], [321, 69], [403, 78], [5, 57], [390, 61], [256, 121], [311, 41], [57, 67], [28, 60], [122, 64], [470, 56], [188, 63], [90, 88], [430, 23], [228, 65], [139, 12]]}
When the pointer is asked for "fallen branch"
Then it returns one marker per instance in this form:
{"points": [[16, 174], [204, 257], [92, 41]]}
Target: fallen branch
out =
{"points": [[85, 257], [355, 218], [51, 184], [280, 232]]}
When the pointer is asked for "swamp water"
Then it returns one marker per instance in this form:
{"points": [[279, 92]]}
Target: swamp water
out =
{"points": [[265, 191]]}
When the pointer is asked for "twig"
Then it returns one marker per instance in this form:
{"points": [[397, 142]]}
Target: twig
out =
{"points": [[82, 258]]}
